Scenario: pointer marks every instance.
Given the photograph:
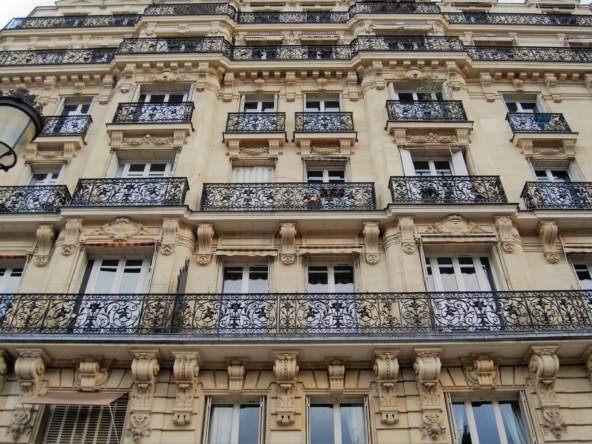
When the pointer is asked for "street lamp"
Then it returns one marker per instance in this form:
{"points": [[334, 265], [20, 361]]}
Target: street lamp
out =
{"points": [[20, 123]]}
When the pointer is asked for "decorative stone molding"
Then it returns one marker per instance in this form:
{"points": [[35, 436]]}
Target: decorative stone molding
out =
{"points": [[427, 368], [119, 229], [71, 232], [79, 88], [286, 370], [386, 371], [29, 369], [145, 367], [21, 423], [202, 75], [412, 74], [185, 370], [170, 227], [165, 76], [126, 79], [106, 90], [543, 368], [205, 237], [456, 80], [228, 86], [49, 85], [259, 85], [45, 237], [407, 234], [371, 231], [518, 84], [272, 151], [462, 137], [352, 84], [177, 141], [485, 79], [548, 233], [378, 74], [508, 233], [343, 150], [336, 371], [91, 376], [236, 375], [551, 84], [288, 234], [481, 371], [4, 362], [402, 139], [454, 225], [322, 83], [290, 86]]}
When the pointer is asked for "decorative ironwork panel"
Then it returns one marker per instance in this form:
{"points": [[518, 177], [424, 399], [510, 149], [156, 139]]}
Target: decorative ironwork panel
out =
{"points": [[485, 18], [292, 17], [557, 195], [56, 56], [153, 191], [426, 110], [192, 9], [293, 52], [419, 43], [154, 112], [288, 197], [66, 126], [176, 45], [82, 21], [33, 199], [393, 8], [256, 123], [447, 190], [322, 122], [529, 54], [537, 123]]}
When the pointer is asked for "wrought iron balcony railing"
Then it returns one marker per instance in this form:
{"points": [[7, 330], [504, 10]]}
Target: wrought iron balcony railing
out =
{"points": [[56, 126], [426, 110], [256, 123], [292, 17], [176, 45], [409, 43], [537, 123], [33, 199], [528, 54], [324, 122], [451, 190], [405, 7], [147, 192], [387, 315], [288, 197], [557, 195], [56, 56], [293, 52], [154, 112], [192, 9], [485, 18], [81, 21]]}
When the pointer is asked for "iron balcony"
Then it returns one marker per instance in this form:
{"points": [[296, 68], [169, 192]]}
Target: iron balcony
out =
{"points": [[59, 126], [256, 123], [557, 195], [426, 111], [529, 54], [150, 113], [56, 56], [79, 21], [537, 123], [247, 18], [486, 18], [322, 122], [356, 196], [192, 9], [142, 192], [447, 190], [33, 199]]}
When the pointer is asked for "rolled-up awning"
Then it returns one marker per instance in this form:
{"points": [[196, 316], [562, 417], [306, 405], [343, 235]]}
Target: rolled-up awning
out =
{"points": [[246, 252], [75, 398]]}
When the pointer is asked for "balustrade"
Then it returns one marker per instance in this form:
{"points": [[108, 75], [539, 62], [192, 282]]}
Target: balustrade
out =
{"points": [[537, 123], [56, 126], [81, 21], [33, 199], [426, 110], [486, 18], [529, 54], [192, 9], [557, 195], [256, 122], [140, 112], [323, 122], [56, 56]]}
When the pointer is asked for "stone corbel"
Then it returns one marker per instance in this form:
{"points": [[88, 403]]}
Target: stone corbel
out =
{"points": [[127, 78], [286, 370], [427, 368], [202, 76], [462, 135], [378, 74], [170, 227], [45, 237], [91, 376], [352, 84], [551, 84], [290, 86], [49, 85], [407, 234], [527, 147], [31, 152], [79, 88], [305, 148], [70, 151], [322, 84], [205, 237], [71, 232], [518, 84], [548, 233], [371, 231], [508, 234], [569, 148], [485, 79], [481, 371], [587, 359], [179, 139], [106, 90], [588, 81], [228, 86], [5, 360], [400, 137], [345, 147], [259, 84], [336, 371], [455, 79], [288, 234], [543, 368], [116, 139], [236, 375], [145, 367], [386, 371], [274, 149], [234, 149], [29, 369], [185, 370]]}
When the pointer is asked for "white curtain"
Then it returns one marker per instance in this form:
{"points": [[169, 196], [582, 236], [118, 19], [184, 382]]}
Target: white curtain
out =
{"points": [[459, 412], [221, 429], [515, 430], [353, 416]]}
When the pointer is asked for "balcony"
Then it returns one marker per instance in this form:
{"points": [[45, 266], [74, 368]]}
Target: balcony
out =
{"points": [[176, 45], [150, 113], [192, 9], [370, 315], [256, 123], [404, 7], [33, 199], [449, 190], [81, 21], [529, 54], [247, 18], [288, 197], [542, 128], [56, 56], [485, 18], [66, 126], [255, 128], [325, 128], [557, 195], [138, 192]]}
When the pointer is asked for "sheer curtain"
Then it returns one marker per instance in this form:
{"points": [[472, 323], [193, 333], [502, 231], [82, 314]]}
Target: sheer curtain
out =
{"points": [[512, 417], [463, 434], [221, 428], [353, 417]]}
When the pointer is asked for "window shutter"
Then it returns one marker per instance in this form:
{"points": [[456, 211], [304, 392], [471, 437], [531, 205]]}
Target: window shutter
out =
{"points": [[391, 92], [137, 93], [174, 166], [540, 104], [90, 107], [424, 268], [269, 271], [453, 433], [60, 107], [408, 168], [573, 172], [459, 165], [304, 101], [190, 95], [242, 104], [341, 106], [113, 166], [306, 261], [275, 103], [445, 92], [533, 171], [527, 416], [262, 419], [357, 275], [78, 275], [220, 280], [367, 416], [308, 418], [207, 421]]}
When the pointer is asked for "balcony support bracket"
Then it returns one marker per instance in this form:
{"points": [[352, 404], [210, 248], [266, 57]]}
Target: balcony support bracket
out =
{"points": [[286, 371], [386, 371], [185, 370], [427, 368]]}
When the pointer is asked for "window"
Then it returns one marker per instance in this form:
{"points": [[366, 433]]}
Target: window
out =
{"points": [[413, 96], [116, 276], [331, 278], [144, 169], [431, 167], [529, 104], [584, 274], [327, 104], [325, 174], [434, 166], [245, 279], [45, 176], [259, 104], [460, 273], [86, 424], [552, 175], [163, 97], [75, 109], [238, 422], [254, 174], [337, 422], [10, 277], [489, 422]]}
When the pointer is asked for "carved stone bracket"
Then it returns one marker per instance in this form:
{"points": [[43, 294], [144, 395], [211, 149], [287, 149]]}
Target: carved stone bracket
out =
{"points": [[407, 234], [228, 86], [286, 370], [336, 371], [543, 368], [236, 375], [587, 359], [508, 233], [49, 85], [352, 84], [461, 137], [427, 368], [485, 79], [71, 232], [371, 231], [288, 234], [551, 84], [456, 80], [4, 362], [185, 370], [127, 78], [170, 227], [548, 233], [91, 376], [481, 371], [271, 151], [45, 237], [205, 237], [290, 86], [145, 367], [343, 150], [386, 371], [106, 90], [29, 369]]}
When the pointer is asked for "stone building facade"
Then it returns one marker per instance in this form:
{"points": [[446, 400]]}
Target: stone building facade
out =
{"points": [[299, 222]]}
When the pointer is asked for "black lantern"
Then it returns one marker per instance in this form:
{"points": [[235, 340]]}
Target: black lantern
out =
{"points": [[20, 123]]}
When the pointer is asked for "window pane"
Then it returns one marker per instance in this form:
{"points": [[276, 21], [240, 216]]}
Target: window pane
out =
{"points": [[131, 276], [84, 109], [344, 279], [221, 424], [13, 280], [248, 429], [447, 274], [443, 168], [332, 106], [251, 107], [258, 277], [322, 424], [529, 107], [406, 97], [463, 433], [318, 280], [267, 107], [469, 275], [314, 176], [157, 98], [422, 168], [176, 98], [106, 276], [488, 273], [584, 276], [136, 170], [313, 105], [352, 424], [69, 110], [560, 176], [512, 107], [542, 175], [485, 421], [513, 423], [336, 176], [157, 169], [233, 280]]}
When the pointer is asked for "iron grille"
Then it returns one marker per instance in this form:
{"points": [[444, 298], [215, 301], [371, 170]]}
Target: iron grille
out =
{"points": [[33, 199], [81, 21], [66, 126], [256, 123], [323, 122], [486, 18], [557, 195], [426, 110], [56, 56], [529, 54], [537, 123], [192, 9], [154, 112]]}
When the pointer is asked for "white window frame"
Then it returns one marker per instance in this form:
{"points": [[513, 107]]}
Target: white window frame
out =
{"points": [[124, 167], [246, 270], [540, 106], [98, 261], [457, 163], [364, 403], [257, 172], [210, 402], [52, 175], [79, 106], [331, 273], [549, 174], [167, 95], [259, 101], [7, 274], [325, 170], [431, 162], [322, 101], [481, 277]]}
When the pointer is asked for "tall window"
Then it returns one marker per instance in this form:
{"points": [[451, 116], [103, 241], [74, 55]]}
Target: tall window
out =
{"points": [[432, 167], [10, 277], [234, 422], [454, 165], [245, 279], [45, 176], [331, 278], [584, 274], [337, 422], [532, 104], [460, 273], [322, 104], [116, 276], [325, 174], [253, 174], [144, 169], [75, 109]]}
